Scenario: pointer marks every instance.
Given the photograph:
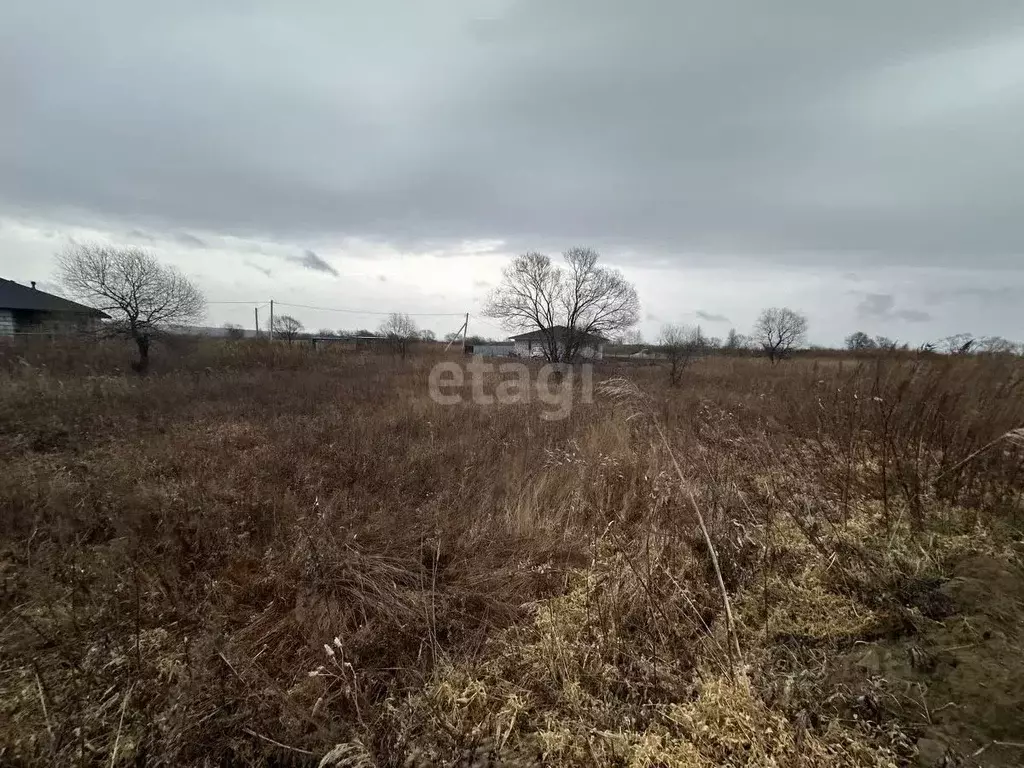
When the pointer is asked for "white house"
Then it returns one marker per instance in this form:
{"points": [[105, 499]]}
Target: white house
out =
{"points": [[535, 343]]}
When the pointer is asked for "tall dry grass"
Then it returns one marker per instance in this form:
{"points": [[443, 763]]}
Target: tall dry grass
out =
{"points": [[260, 552]]}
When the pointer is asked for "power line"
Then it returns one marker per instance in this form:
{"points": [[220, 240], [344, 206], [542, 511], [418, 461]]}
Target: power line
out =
{"points": [[478, 319], [367, 312], [262, 305]]}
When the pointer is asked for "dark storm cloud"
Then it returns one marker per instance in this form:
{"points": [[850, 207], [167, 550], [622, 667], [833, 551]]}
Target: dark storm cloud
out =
{"points": [[795, 131], [711, 317], [310, 260]]}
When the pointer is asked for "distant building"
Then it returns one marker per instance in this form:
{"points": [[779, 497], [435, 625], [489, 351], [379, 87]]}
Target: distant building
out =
{"points": [[25, 309], [535, 343], [644, 354], [492, 349]]}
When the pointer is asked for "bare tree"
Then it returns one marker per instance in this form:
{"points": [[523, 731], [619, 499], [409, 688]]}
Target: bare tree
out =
{"points": [[569, 306], [287, 327], [997, 345], [887, 344], [631, 337], [428, 335], [859, 341], [142, 296], [778, 330], [400, 330], [682, 345]]}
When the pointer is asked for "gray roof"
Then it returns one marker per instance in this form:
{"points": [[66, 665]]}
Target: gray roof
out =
{"points": [[16, 296], [559, 333]]}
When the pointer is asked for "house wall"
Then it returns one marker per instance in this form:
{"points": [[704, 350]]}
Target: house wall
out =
{"points": [[528, 349], [536, 349], [493, 350], [17, 321]]}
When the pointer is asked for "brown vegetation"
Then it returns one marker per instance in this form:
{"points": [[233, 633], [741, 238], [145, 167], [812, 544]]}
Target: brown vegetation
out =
{"points": [[267, 554]]}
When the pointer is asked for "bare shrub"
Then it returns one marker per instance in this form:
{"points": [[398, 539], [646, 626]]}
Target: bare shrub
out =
{"points": [[682, 345]]}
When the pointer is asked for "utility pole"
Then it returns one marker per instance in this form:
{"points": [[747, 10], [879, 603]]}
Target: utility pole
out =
{"points": [[463, 330], [271, 332], [256, 310]]}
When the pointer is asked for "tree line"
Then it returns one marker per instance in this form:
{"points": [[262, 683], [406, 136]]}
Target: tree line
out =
{"points": [[570, 305], [398, 330]]}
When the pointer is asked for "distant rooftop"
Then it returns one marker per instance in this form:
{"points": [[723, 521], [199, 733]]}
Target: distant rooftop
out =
{"points": [[29, 298], [560, 332]]}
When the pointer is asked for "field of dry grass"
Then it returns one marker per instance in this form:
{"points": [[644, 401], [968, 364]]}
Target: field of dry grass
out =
{"points": [[266, 555]]}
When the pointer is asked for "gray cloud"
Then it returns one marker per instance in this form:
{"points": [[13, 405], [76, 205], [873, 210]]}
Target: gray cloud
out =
{"points": [[180, 238], [310, 260], [868, 146], [139, 234], [882, 306], [876, 305], [257, 267], [912, 315], [711, 317], [188, 239], [995, 293], [810, 134]]}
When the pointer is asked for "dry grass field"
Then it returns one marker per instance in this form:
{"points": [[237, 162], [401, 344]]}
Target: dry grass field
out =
{"points": [[263, 555]]}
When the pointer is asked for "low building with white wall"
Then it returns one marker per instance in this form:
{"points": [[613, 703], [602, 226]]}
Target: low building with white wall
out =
{"points": [[535, 343]]}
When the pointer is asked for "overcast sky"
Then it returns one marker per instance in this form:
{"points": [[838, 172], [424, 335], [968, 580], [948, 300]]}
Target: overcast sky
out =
{"points": [[860, 161]]}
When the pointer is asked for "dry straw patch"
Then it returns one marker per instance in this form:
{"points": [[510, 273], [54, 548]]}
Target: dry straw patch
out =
{"points": [[555, 693]]}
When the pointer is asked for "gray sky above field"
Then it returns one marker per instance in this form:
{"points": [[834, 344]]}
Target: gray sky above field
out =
{"points": [[858, 161]]}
